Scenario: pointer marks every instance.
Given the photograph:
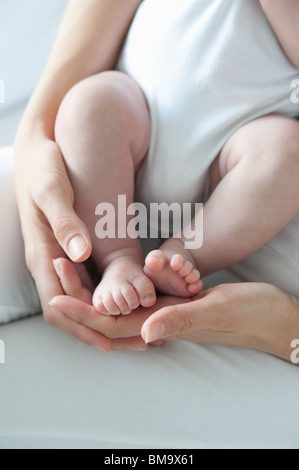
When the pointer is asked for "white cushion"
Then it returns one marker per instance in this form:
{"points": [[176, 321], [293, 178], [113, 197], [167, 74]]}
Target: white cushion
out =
{"points": [[59, 393], [28, 30], [18, 296]]}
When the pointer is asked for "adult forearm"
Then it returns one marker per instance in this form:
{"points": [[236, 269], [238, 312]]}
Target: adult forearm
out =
{"points": [[283, 16], [88, 41]]}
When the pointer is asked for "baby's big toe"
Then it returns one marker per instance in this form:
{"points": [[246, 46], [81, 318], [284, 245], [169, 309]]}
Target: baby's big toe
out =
{"points": [[155, 261]]}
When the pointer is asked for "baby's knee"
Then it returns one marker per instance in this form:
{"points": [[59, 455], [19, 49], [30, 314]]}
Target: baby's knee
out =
{"points": [[109, 98]]}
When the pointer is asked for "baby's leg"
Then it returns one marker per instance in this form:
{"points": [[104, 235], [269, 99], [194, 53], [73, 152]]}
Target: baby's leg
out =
{"points": [[254, 194], [103, 130]]}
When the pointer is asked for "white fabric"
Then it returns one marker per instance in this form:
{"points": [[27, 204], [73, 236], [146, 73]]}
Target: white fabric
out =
{"points": [[276, 263], [58, 392], [27, 32], [206, 67], [18, 297]]}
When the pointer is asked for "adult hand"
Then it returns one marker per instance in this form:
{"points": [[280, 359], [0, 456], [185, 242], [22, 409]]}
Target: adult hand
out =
{"points": [[251, 315], [50, 226], [106, 333]]}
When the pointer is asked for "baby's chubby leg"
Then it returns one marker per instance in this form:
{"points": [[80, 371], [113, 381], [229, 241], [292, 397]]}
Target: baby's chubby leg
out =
{"points": [[254, 191], [254, 194], [103, 130]]}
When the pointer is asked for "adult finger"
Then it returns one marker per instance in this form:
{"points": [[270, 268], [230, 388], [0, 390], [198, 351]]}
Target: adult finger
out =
{"points": [[111, 326], [54, 196], [49, 285], [41, 250], [123, 331], [72, 279], [209, 311]]}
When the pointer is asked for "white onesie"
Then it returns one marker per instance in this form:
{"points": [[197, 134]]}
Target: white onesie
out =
{"points": [[207, 67]]}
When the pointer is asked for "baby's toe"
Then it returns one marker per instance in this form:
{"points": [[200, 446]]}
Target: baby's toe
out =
{"points": [[186, 269], [121, 302], [195, 287], [177, 262], [131, 297], [193, 276], [155, 260], [110, 305]]}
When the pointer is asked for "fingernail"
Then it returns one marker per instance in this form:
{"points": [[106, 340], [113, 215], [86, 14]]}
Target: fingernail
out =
{"points": [[77, 247], [154, 332], [101, 349], [57, 268], [148, 298]]}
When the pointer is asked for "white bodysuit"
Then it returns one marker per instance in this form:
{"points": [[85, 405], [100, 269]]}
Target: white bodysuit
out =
{"points": [[206, 67]]}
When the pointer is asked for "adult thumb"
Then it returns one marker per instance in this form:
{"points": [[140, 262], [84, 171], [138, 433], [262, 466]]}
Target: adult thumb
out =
{"points": [[69, 230], [169, 321], [208, 310], [72, 235]]}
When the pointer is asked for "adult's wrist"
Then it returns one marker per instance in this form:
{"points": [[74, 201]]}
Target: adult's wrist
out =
{"points": [[33, 129]]}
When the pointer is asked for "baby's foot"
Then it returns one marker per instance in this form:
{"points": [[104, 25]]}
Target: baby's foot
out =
{"points": [[172, 270], [124, 287]]}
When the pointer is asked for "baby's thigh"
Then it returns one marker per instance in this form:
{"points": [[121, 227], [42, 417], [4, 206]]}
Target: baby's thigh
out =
{"points": [[272, 141], [18, 295]]}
